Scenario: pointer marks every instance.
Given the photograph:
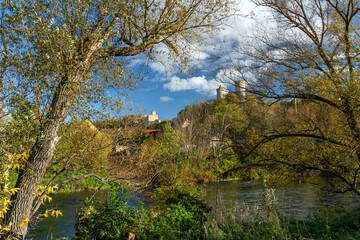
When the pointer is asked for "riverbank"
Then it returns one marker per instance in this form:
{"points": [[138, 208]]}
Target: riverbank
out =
{"points": [[298, 201], [94, 183], [182, 215]]}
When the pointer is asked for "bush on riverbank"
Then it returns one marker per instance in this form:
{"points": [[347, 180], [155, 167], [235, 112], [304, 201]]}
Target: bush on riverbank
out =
{"points": [[109, 219]]}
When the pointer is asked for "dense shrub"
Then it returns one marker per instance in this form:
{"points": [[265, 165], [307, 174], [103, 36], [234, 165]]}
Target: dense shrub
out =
{"points": [[110, 219], [174, 223], [187, 196], [178, 215]]}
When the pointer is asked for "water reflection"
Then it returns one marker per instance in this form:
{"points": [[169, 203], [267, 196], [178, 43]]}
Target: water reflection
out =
{"points": [[53, 228]]}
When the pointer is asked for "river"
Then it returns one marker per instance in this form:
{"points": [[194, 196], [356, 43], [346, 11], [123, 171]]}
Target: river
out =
{"points": [[293, 200]]}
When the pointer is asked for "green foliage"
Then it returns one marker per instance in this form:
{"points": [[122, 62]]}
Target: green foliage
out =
{"points": [[174, 223], [83, 146], [232, 114], [19, 133], [162, 158], [111, 219], [241, 224], [115, 219], [177, 215], [321, 132], [227, 159], [187, 196], [170, 147], [63, 182], [184, 151], [332, 224]]}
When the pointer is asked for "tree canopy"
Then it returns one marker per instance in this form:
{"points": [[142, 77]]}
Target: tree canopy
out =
{"points": [[310, 52]]}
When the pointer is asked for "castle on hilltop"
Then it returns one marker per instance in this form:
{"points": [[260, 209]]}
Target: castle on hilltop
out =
{"points": [[152, 118], [240, 89]]}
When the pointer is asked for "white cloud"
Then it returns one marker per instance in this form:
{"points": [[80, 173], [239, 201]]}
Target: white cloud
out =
{"points": [[216, 53], [198, 84], [158, 67], [166, 99]]}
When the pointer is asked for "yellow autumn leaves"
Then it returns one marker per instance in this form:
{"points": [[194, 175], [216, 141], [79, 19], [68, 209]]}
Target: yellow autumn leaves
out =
{"points": [[52, 213], [14, 162]]}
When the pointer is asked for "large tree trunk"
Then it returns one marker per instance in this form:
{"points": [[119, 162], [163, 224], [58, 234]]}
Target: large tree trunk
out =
{"points": [[41, 155], [30, 177], [43, 150]]}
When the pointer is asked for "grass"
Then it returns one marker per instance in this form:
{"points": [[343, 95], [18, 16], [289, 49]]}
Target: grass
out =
{"points": [[252, 225], [334, 224], [79, 185]]}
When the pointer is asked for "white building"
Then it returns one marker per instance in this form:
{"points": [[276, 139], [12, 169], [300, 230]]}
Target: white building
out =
{"points": [[152, 118]]}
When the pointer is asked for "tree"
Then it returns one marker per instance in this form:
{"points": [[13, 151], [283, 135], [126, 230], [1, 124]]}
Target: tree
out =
{"points": [[238, 125], [312, 54], [64, 53], [192, 123], [82, 147]]}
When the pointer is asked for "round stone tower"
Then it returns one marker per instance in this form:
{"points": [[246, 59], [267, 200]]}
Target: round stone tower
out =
{"points": [[221, 92], [240, 89]]}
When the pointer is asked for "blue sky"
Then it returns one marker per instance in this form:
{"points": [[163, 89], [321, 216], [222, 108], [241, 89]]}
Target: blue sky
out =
{"points": [[166, 103], [168, 91]]}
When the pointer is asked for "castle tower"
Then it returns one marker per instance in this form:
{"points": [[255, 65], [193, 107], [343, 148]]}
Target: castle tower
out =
{"points": [[221, 92], [240, 89]]}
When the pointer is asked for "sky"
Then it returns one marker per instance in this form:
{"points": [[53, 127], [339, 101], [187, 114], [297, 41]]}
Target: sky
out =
{"points": [[168, 92]]}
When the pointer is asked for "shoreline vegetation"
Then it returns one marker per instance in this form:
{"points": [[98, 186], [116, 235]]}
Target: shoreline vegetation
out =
{"points": [[181, 214], [94, 185]]}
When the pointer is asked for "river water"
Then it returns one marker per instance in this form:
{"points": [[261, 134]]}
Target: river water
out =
{"points": [[294, 200]]}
